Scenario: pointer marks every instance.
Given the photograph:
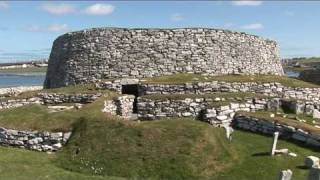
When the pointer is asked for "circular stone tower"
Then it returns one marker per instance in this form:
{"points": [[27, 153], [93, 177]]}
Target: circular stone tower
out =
{"points": [[103, 53]]}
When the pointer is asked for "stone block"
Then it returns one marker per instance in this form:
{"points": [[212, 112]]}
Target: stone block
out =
{"points": [[311, 161]]}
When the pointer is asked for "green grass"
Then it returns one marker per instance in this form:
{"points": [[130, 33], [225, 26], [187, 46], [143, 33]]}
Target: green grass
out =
{"points": [[72, 89], [226, 95], [28, 70], [254, 161], [189, 78], [37, 117], [20, 164], [281, 120], [165, 149], [168, 149]]}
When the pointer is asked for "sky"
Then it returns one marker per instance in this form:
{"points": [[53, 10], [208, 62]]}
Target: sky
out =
{"points": [[28, 29]]}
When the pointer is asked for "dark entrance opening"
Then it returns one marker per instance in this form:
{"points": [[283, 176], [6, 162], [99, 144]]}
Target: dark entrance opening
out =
{"points": [[133, 90]]}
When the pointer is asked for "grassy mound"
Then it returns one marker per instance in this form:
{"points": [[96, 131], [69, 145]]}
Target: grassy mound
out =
{"points": [[188, 78], [37, 117], [168, 149]]}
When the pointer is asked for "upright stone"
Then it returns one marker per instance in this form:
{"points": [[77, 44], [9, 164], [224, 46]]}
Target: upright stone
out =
{"points": [[311, 161], [316, 114], [274, 144], [285, 175]]}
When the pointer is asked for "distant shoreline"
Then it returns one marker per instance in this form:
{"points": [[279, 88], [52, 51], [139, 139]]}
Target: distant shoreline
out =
{"points": [[24, 71], [23, 74]]}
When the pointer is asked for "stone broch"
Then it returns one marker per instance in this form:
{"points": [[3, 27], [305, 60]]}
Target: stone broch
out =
{"points": [[104, 53]]}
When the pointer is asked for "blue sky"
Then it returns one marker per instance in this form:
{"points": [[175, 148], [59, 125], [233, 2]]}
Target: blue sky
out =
{"points": [[28, 29]]}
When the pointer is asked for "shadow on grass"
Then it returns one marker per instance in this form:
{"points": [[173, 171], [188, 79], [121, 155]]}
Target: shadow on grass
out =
{"points": [[261, 154], [302, 167]]}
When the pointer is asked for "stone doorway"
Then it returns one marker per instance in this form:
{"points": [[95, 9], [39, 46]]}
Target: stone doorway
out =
{"points": [[132, 89]]}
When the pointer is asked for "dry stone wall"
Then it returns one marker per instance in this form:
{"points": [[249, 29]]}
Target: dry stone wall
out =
{"points": [[217, 111], [34, 140], [121, 106], [267, 127], [49, 98], [18, 90], [103, 53], [203, 108], [271, 89]]}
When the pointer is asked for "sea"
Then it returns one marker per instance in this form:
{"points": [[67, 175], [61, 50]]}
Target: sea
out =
{"points": [[13, 80]]}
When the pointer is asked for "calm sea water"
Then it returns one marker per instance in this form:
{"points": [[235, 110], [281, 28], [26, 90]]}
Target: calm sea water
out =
{"points": [[12, 80]]}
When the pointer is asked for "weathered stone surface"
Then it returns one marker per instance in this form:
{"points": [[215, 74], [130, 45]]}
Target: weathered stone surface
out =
{"points": [[77, 57], [314, 173], [316, 114], [34, 140], [122, 106], [285, 175], [267, 127], [311, 161]]}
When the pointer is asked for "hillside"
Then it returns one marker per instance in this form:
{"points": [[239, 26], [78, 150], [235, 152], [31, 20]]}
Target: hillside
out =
{"points": [[166, 149], [303, 63]]}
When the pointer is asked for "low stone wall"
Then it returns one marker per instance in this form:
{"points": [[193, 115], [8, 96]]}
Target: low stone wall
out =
{"points": [[58, 98], [266, 127], [17, 90], [116, 85], [301, 107], [49, 98], [34, 140], [13, 103], [121, 106], [203, 109], [272, 89], [198, 107]]}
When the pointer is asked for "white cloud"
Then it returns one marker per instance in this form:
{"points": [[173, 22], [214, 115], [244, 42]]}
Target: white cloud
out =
{"points": [[289, 13], [33, 28], [253, 26], [247, 3], [99, 9], [58, 9], [176, 17], [4, 5], [49, 28], [228, 25], [58, 28]]}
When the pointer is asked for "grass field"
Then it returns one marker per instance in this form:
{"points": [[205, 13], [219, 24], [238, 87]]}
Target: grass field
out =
{"points": [[168, 149], [188, 78]]}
